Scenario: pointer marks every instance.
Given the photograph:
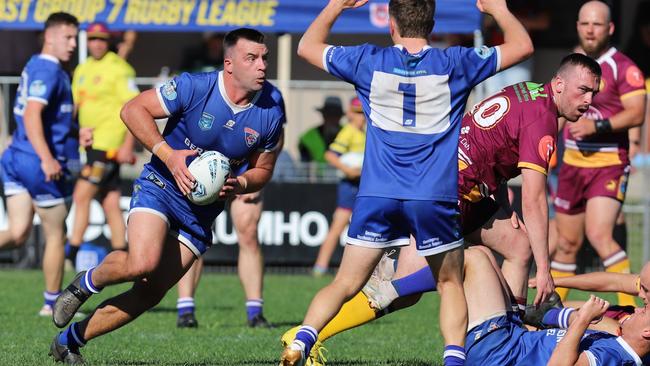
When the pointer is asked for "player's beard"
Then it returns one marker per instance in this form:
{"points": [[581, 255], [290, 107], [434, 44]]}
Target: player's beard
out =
{"points": [[595, 49]]}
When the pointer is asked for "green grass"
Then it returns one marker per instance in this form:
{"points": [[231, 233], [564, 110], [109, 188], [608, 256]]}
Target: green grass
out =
{"points": [[409, 337]]}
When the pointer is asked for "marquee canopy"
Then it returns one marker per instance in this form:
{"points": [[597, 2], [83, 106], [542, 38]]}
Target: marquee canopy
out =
{"points": [[275, 16]]}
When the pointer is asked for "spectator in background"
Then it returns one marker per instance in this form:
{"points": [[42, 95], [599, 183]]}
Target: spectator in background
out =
{"points": [[38, 167], [206, 57], [346, 155], [315, 141], [638, 46], [100, 87]]}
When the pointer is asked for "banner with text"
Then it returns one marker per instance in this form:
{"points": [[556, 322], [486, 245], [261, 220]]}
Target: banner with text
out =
{"points": [[278, 16]]}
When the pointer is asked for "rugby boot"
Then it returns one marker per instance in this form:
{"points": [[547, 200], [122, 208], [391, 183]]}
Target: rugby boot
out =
{"points": [[69, 301], [61, 353], [259, 321], [292, 357], [187, 320], [317, 355], [534, 315]]}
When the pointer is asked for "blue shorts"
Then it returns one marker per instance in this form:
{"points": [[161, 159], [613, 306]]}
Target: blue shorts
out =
{"points": [[346, 194], [379, 222], [21, 172], [189, 223]]}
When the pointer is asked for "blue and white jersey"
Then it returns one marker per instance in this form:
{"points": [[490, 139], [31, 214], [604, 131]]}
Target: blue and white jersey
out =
{"points": [[414, 104], [202, 118], [501, 341], [43, 80]]}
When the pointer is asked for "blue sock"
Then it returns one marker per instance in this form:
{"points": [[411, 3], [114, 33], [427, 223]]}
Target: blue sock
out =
{"points": [[416, 283], [454, 355], [254, 308], [306, 337], [557, 318], [72, 337], [87, 282], [185, 305], [50, 297]]}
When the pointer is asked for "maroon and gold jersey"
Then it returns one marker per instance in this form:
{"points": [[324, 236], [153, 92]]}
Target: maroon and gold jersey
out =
{"points": [[514, 129], [621, 79]]}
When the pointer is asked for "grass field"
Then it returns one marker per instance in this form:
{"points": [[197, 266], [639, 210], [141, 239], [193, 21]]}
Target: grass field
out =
{"points": [[410, 337]]}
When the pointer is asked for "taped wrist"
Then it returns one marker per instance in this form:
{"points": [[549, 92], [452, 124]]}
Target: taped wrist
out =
{"points": [[603, 126]]}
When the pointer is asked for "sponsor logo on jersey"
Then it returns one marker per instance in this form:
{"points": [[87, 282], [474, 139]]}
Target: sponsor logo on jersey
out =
{"points": [[205, 123], [546, 147], [251, 136], [379, 15], [484, 51], [634, 77], [230, 124], [168, 90], [37, 88]]}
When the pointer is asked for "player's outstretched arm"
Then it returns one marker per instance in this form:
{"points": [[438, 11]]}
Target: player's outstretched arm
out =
{"points": [[566, 352], [517, 45], [313, 42], [535, 212], [599, 282], [138, 115]]}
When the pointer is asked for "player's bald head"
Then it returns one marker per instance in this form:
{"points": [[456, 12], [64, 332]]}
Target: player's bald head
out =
{"points": [[597, 9]]}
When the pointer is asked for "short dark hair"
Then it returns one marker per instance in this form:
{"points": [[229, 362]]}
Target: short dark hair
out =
{"points": [[578, 59], [414, 18], [61, 18], [250, 34]]}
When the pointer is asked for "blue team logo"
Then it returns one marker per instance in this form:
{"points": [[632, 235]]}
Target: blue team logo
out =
{"points": [[205, 123], [251, 136], [168, 90], [37, 88], [379, 14], [484, 51]]}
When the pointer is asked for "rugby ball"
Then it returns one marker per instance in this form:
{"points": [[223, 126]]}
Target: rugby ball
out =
{"points": [[210, 171], [352, 160]]}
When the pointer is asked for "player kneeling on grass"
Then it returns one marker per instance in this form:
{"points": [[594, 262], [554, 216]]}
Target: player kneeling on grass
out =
{"points": [[234, 111]]}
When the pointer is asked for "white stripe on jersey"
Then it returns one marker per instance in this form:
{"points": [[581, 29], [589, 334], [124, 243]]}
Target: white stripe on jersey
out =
{"points": [[432, 98]]}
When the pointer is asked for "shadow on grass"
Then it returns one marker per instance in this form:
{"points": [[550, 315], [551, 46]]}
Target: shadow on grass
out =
{"points": [[166, 309]]}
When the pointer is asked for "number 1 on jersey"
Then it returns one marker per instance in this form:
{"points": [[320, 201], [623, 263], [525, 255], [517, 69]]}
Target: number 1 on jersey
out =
{"points": [[408, 106]]}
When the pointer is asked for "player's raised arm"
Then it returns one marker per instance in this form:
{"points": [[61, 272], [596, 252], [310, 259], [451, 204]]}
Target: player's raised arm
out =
{"points": [[313, 42], [517, 45]]}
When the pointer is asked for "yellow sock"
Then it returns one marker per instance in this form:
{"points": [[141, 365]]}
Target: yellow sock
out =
{"points": [[559, 269], [619, 263], [355, 312]]}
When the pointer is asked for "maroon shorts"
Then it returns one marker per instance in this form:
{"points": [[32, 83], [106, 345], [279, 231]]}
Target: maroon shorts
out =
{"points": [[618, 312], [577, 185], [473, 215]]}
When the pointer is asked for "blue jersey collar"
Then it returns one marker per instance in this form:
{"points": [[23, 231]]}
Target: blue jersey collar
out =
{"points": [[49, 58]]}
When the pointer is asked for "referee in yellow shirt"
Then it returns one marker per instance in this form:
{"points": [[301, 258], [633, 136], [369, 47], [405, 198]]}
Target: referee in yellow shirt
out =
{"points": [[346, 155], [100, 86]]}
